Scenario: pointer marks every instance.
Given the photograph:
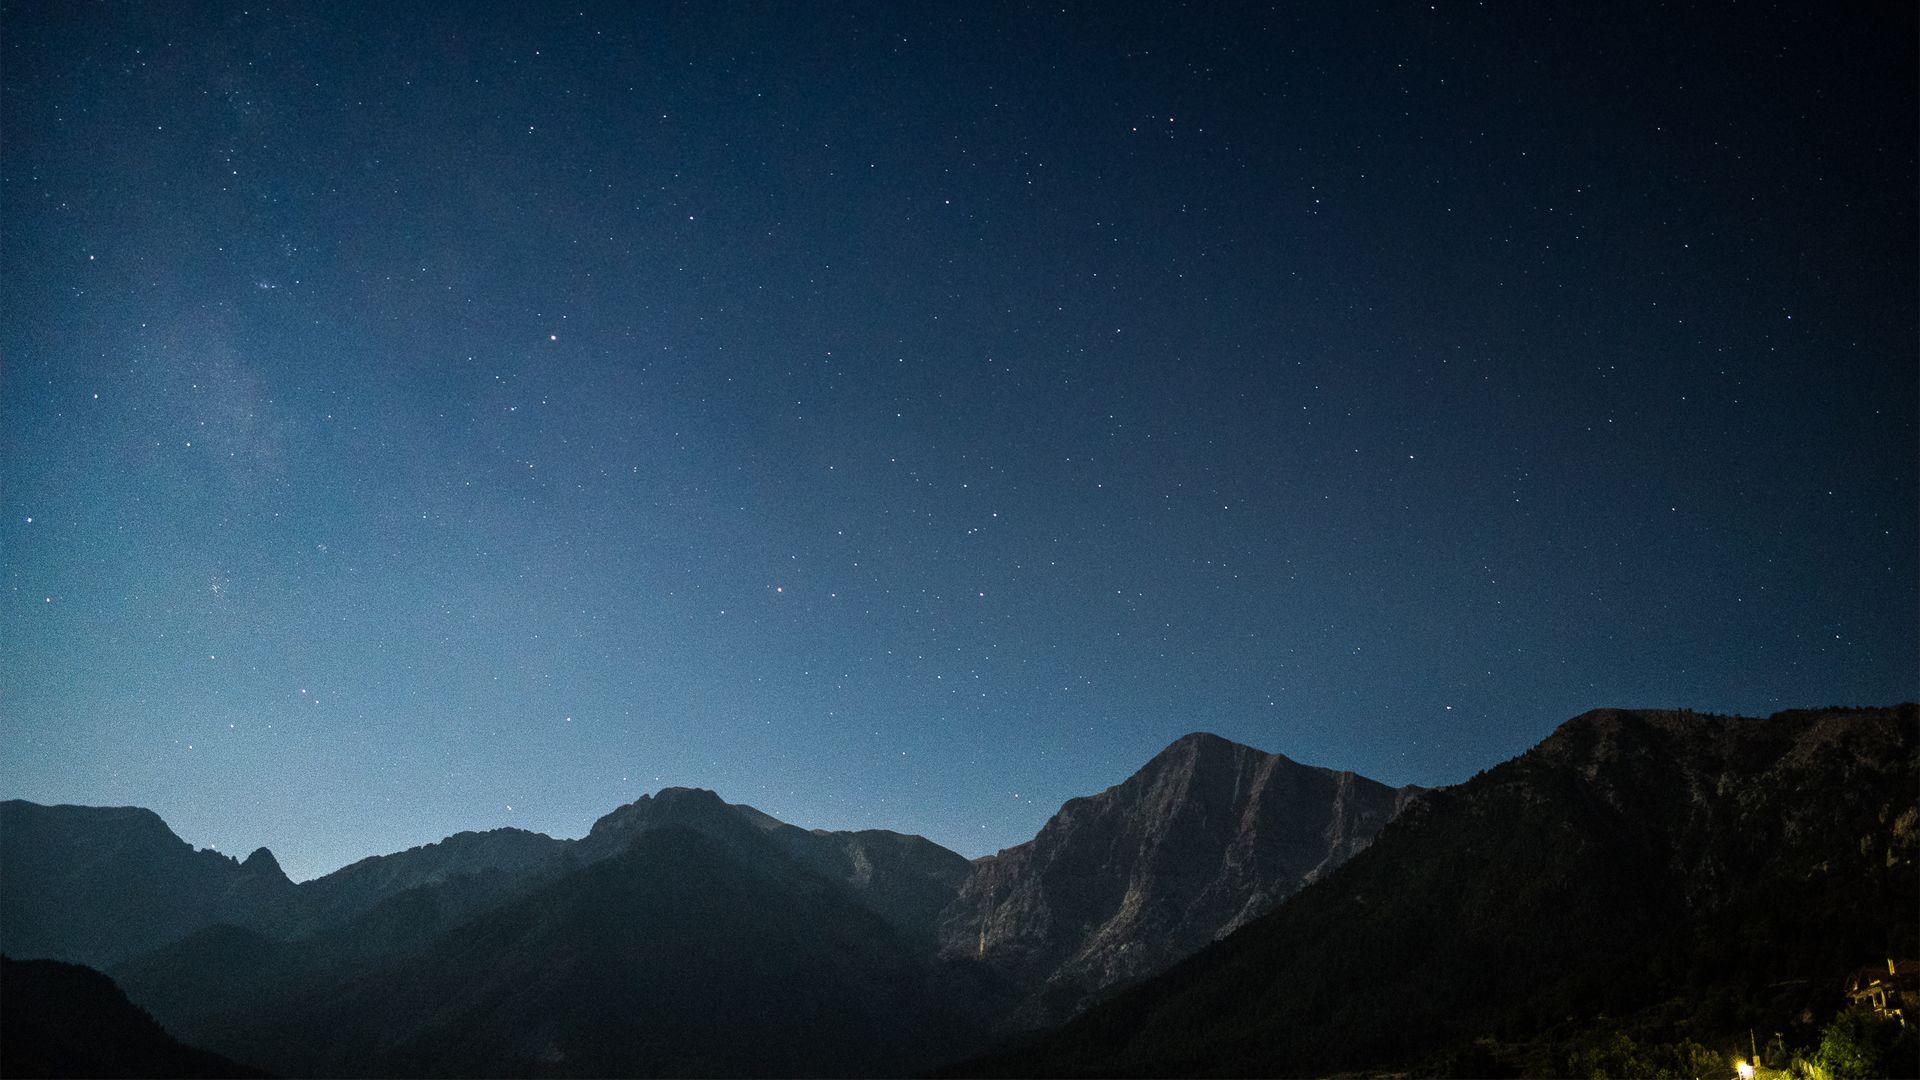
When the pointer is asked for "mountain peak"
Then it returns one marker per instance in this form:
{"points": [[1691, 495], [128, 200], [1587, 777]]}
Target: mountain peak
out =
{"points": [[1199, 744], [689, 795], [1205, 836], [1202, 739], [1602, 736], [1205, 749], [697, 807], [263, 862]]}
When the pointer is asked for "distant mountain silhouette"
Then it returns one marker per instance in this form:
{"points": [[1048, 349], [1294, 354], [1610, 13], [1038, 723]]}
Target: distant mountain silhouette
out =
{"points": [[95, 885], [358, 887], [101, 885], [1207, 835], [222, 969], [690, 952], [1693, 871], [905, 879], [65, 1020]]}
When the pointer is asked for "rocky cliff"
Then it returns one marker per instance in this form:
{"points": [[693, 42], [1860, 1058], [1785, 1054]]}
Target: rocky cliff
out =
{"points": [[1207, 835]]}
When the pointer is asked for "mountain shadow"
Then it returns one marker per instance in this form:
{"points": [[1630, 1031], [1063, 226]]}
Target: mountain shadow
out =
{"points": [[65, 1020]]}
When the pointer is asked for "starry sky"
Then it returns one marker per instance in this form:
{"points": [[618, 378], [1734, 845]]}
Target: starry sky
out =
{"points": [[428, 417]]}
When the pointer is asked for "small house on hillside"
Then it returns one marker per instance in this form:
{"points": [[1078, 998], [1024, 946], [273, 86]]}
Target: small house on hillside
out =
{"points": [[1893, 991]]}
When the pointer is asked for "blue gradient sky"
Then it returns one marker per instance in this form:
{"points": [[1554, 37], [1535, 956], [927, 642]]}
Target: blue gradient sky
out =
{"points": [[911, 417]]}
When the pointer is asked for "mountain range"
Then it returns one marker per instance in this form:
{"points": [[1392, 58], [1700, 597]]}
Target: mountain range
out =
{"points": [[1223, 910], [931, 954]]}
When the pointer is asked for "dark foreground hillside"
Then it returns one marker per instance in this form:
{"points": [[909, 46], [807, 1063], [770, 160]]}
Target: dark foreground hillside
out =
{"points": [[1683, 875], [66, 1020]]}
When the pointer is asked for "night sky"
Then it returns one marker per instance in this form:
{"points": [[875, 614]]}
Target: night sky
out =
{"points": [[428, 417]]}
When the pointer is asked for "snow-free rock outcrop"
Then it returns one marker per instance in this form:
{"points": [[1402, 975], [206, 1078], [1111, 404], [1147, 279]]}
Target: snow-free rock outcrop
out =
{"points": [[1116, 886]]}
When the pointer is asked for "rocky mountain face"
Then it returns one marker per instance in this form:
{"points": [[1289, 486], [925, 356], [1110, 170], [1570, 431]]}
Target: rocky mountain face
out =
{"points": [[1206, 836], [1685, 875]]}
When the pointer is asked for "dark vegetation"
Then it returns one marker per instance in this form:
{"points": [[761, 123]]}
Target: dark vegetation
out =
{"points": [[67, 1020]]}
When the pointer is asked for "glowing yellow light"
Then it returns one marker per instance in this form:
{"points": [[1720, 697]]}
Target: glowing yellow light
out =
{"points": [[1744, 1068]]}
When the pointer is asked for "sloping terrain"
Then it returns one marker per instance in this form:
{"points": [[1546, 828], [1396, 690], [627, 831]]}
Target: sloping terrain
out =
{"points": [[103, 885], [94, 885], [689, 953], [1205, 836], [1632, 863], [65, 1020]]}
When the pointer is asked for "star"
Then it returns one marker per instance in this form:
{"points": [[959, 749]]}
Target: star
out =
{"points": [[483, 548]]}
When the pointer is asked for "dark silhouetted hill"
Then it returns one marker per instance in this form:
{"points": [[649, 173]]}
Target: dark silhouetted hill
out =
{"points": [[94, 885], [1634, 864], [356, 888], [65, 1020], [906, 880]]}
